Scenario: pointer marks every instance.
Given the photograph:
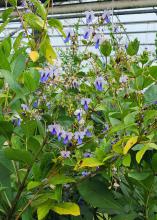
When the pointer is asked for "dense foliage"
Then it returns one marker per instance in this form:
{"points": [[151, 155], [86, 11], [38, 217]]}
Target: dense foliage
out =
{"points": [[77, 127]]}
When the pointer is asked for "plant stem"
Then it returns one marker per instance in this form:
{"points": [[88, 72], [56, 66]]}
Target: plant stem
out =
{"points": [[22, 186]]}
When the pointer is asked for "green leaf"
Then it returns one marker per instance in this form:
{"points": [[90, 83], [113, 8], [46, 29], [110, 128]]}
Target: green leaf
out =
{"points": [[94, 192], [88, 162], [19, 66], [133, 47], [47, 50], [13, 2], [19, 155], [140, 153], [6, 129], [4, 24], [126, 160], [61, 179], [31, 80], [33, 184], [150, 94], [34, 21], [29, 128], [139, 176], [7, 13], [106, 48], [56, 24], [67, 208], [17, 41], [43, 209], [41, 11]]}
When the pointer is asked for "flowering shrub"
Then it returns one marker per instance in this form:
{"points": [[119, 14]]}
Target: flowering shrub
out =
{"points": [[78, 129]]}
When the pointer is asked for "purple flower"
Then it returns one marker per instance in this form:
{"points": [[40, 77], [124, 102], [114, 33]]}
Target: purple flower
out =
{"points": [[155, 103], [99, 83], [17, 121], [85, 102], [79, 136], [75, 83], [105, 128], [35, 104], [123, 79], [67, 136], [44, 75], [86, 173], [87, 132], [89, 16], [97, 39], [69, 33], [79, 113], [24, 107], [87, 155], [106, 16], [65, 154], [54, 129], [87, 33]]}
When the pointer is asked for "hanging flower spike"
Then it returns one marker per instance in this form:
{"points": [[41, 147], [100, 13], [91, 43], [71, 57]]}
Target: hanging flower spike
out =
{"points": [[79, 113], [85, 102], [87, 33], [89, 16], [54, 129], [67, 136], [69, 33], [106, 16], [65, 154], [123, 79], [97, 39], [24, 107], [79, 136], [99, 83]]}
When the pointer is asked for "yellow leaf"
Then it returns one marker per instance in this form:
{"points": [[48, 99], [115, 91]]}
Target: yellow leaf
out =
{"points": [[34, 55], [67, 208], [88, 162], [50, 54], [129, 144], [140, 153]]}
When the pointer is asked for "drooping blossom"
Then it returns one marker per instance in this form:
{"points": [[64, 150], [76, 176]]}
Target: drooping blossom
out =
{"points": [[87, 155], [16, 121], [123, 79], [75, 84], [67, 136], [35, 104], [106, 16], [65, 154], [54, 129], [87, 132], [24, 107], [99, 83], [85, 102], [79, 113], [97, 39], [87, 33], [79, 136], [89, 17], [44, 75], [86, 173], [69, 33]]}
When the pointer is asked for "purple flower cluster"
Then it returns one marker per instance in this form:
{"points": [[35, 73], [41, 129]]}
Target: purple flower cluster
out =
{"points": [[67, 136]]}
